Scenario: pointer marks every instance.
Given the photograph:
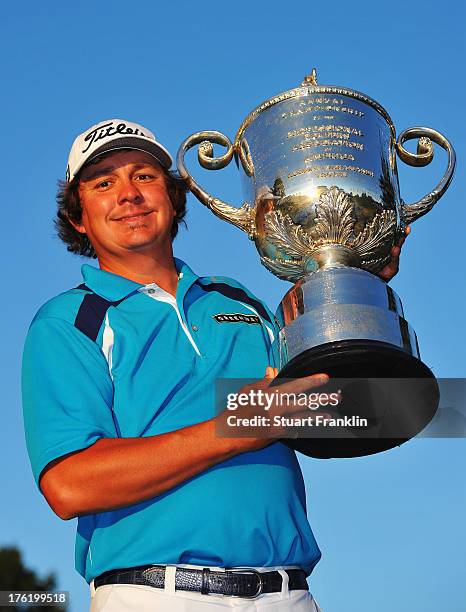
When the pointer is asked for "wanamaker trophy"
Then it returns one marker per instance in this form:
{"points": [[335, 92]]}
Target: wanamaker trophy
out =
{"points": [[323, 206]]}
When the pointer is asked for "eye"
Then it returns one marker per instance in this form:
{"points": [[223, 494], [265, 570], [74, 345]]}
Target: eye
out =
{"points": [[103, 184], [144, 176]]}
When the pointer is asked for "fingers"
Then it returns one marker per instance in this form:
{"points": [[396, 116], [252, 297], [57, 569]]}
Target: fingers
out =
{"points": [[300, 385], [297, 385], [396, 250], [395, 253], [264, 413], [270, 373], [391, 269], [401, 241]]}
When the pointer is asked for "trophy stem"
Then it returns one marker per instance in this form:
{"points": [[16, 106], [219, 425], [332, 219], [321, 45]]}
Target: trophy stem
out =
{"points": [[334, 256]]}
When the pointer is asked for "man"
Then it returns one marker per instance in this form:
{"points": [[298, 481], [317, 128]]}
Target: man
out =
{"points": [[118, 385]]}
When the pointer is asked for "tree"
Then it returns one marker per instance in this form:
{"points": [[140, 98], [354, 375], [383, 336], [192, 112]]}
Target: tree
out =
{"points": [[15, 576], [278, 188], [386, 185]]}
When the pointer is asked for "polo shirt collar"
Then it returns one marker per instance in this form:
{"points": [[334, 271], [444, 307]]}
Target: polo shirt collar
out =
{"points": [[110, 286], [186, 277], [113, 287]]}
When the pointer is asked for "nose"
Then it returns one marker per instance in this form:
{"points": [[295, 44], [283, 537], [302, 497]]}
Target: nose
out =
{"points": [[129, 193]]}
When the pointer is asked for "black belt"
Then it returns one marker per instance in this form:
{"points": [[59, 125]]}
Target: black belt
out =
{"points": [[247, 582]]}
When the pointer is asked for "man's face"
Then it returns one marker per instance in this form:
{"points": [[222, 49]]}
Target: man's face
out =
{"points": [[125, 205]]}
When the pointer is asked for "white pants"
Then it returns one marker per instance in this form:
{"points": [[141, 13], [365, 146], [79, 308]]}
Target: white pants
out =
{"points": [[138, 598]]}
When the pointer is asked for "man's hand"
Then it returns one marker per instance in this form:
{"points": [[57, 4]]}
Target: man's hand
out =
{"points": [[389, 271], [254, 424]]}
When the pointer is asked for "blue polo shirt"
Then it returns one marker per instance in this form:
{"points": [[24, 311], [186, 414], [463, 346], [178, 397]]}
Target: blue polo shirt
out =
{"points": [[152, 369]]}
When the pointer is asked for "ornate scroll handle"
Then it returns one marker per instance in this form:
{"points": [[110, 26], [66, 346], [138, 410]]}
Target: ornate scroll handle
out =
{"points": [[241, 217], [424, 155]]}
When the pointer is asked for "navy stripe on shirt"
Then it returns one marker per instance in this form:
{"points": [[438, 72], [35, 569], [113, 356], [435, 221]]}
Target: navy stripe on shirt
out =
{"points": [[235, 293], [92, 312]]}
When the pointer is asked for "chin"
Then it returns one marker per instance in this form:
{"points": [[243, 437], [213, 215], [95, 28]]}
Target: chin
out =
{"points": [[146, 243]]}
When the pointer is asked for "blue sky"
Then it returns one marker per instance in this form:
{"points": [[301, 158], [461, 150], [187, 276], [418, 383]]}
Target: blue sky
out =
{"points": [[391, 526]]}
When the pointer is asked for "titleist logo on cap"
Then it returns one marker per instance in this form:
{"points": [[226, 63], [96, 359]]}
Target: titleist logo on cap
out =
{"points": [[113, 135], [108, 129]]}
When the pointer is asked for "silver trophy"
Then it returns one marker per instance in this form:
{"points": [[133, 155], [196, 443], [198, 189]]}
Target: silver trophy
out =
{"points": [[323, 206]]}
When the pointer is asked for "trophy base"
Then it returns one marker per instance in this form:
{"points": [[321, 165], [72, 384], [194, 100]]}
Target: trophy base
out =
{"points": [[396, 406]]}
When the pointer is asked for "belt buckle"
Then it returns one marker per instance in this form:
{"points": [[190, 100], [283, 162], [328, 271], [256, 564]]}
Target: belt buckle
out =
{"points": [[248, 570]]}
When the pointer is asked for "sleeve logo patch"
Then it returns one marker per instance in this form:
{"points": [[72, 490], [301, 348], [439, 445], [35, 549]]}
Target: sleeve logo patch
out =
{"points": [[237, 317]]}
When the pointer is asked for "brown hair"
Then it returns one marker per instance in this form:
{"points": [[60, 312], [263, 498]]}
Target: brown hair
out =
{"points": [[69, 209]]}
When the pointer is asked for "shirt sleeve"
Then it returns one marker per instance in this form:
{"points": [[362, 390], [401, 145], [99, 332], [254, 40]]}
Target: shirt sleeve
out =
{"points": [[67, 392]]}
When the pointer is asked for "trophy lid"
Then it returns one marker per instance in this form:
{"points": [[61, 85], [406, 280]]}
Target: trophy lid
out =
{"points": [[309, 86]]}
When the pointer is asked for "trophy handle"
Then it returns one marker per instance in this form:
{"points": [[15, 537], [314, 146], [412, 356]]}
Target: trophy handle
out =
{"points": [[241, 217], [423, 157]]}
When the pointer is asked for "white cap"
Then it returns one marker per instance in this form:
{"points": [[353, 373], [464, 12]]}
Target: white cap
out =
{"points": [[111, 135]]}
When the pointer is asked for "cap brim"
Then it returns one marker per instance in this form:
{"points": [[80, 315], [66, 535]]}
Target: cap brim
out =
{"points": [[138, 144]]}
